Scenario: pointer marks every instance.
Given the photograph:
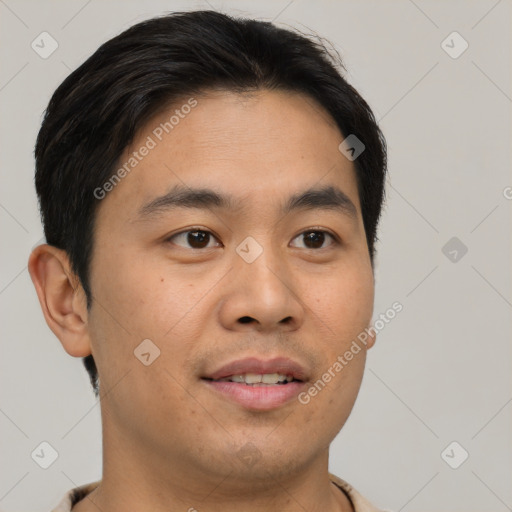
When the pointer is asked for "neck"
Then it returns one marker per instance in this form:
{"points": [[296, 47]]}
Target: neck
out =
{"points": [[138, 478]]}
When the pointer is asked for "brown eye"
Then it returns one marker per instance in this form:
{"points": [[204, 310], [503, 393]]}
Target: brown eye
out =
{"points": [[193, 239], [314, 239]]}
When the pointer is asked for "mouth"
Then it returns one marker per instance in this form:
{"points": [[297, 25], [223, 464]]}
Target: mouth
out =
{"points": [[256, 384], [254, 379]]}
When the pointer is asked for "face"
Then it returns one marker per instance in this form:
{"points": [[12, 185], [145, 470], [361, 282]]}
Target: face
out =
{"points": [[211, 281]]}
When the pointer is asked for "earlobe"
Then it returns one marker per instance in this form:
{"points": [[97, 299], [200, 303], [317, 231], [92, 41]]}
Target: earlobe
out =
{"points": [[61, 297], [372, 337]]}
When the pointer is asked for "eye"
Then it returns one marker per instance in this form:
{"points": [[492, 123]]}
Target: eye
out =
{"points": [[201, 238], [196, 238], [314, 238]]}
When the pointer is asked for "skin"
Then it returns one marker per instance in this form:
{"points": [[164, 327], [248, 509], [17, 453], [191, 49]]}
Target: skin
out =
{"points": [[169, 441]]}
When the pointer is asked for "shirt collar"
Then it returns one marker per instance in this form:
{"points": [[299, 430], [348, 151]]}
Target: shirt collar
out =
{"points": [[359, 502]]}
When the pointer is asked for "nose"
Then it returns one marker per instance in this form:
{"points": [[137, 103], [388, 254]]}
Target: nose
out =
{"points": [[262, 295]]}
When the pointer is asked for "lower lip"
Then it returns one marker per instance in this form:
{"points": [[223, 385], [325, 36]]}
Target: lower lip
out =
{"points": [[261, 398]]}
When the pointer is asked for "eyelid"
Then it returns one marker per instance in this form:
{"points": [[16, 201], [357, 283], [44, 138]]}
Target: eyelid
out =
{"points": [[319, 229]]}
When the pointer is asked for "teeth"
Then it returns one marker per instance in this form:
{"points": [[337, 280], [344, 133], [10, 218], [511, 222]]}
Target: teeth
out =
{"points": [[272, 378], [254, 378]]}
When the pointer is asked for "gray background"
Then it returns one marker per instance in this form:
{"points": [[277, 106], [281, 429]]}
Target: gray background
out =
{"points": [[440, 371]]}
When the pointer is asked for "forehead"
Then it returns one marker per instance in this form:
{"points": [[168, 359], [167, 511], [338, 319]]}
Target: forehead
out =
{"points": [[254, 146]]}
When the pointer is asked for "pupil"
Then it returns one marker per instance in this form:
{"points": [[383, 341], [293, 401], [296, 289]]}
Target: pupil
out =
{"points": [[196, 238], [316, 237]]}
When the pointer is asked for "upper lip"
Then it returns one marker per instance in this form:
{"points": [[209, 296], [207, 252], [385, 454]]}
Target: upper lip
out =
{"points": [[282, 365]]}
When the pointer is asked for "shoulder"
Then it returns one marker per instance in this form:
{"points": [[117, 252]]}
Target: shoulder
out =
{"points": [[73, 496], [359, 502]]}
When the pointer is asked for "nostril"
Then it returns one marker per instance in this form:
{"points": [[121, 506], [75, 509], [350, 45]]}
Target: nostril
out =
{"points": [[245, 319]]}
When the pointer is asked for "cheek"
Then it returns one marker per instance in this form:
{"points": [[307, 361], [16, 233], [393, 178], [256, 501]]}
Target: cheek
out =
{"points": [[343, 302], [143, 295], [342, 308], [137, 300]]}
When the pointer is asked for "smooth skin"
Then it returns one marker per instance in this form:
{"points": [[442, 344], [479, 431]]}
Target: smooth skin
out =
{"points": [[169, 441]]}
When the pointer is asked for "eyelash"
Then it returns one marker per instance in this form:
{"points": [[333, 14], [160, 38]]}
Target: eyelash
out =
{"points": [[309, 230]]}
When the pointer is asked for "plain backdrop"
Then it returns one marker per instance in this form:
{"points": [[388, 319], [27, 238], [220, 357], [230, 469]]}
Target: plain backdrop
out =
{"points": [[440, 371]]}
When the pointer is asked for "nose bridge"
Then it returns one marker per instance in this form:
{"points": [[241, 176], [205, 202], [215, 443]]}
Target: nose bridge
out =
{"points": [[262, 279], [260, 260]]}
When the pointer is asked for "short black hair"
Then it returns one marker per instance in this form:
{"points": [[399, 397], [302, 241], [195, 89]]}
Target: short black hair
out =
{"points": [[98, 109]]}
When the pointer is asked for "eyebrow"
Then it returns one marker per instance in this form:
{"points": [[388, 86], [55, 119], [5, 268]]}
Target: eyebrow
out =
{"points": [[326, 198]]}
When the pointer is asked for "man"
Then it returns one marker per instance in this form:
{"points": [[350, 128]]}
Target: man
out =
{"points": [[210, 189]]}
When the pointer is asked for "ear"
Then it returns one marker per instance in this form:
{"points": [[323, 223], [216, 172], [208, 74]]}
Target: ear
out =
{"points": [[62, 298], [372, 338]]}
